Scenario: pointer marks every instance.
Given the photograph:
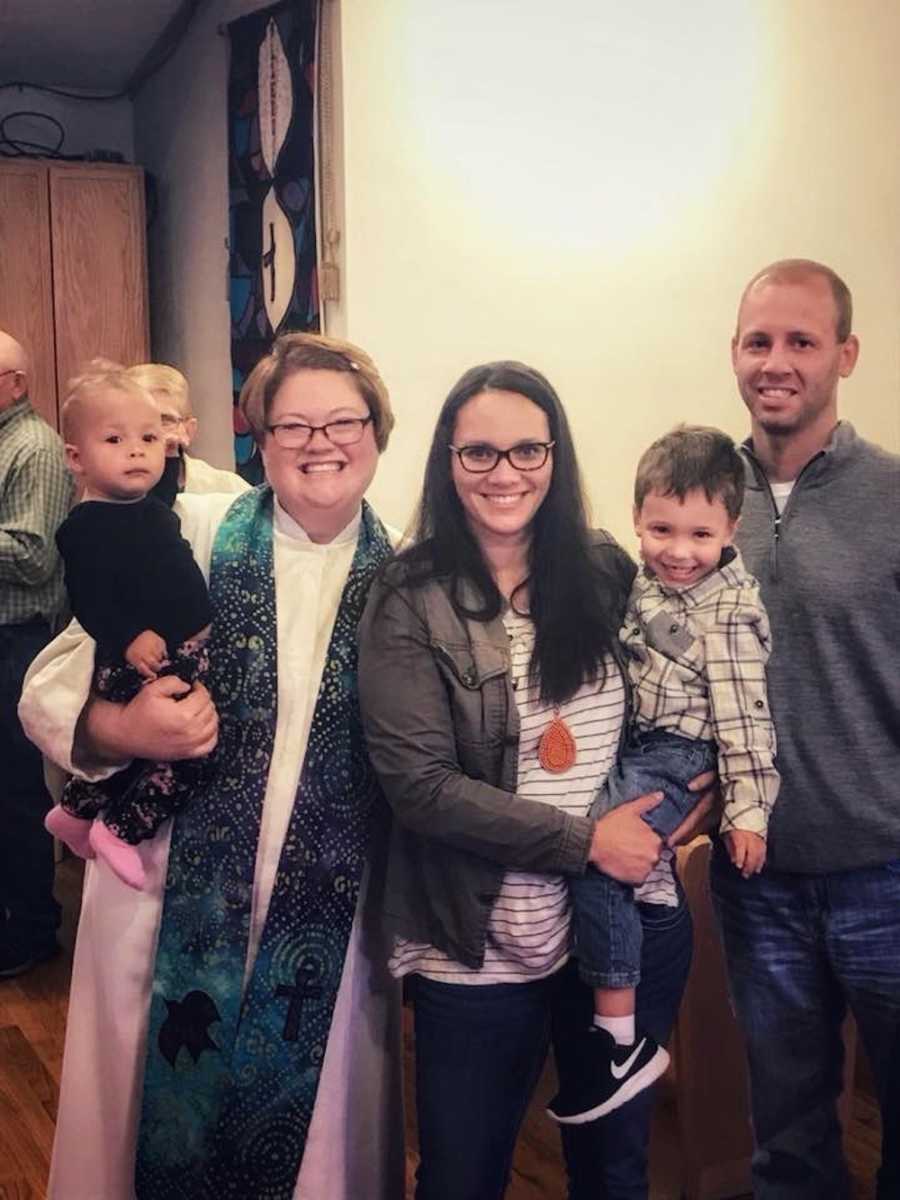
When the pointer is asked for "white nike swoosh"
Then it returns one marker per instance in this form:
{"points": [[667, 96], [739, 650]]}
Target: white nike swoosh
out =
{"points": [[620, 1072]]}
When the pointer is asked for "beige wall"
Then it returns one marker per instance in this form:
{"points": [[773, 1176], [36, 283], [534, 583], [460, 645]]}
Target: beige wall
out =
{"points": [[585, 186]]}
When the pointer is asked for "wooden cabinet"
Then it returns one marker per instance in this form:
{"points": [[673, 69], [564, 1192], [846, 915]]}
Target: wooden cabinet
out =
{"points": [[73, 269], [26, 299]]}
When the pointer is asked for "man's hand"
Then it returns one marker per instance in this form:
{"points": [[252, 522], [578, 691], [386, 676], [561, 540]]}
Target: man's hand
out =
{"points": [[147, 653], [746, 850], [624, 846]]}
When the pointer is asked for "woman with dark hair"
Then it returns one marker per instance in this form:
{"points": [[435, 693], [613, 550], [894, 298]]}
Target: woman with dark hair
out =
{"points": [[494, 704]]}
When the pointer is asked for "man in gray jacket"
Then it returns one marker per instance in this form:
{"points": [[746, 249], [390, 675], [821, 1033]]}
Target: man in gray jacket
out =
{"points": [[819, 929]]}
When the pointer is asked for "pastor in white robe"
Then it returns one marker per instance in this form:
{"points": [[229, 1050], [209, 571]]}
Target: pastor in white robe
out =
{"points": [[354, 1148]]}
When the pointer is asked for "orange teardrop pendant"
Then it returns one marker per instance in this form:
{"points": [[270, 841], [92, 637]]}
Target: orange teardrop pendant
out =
{"points": [[556, 750]]}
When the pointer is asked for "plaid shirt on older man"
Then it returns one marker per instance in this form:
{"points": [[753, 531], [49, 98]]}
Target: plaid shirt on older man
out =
{"points": [[35, 494], [697, 662]]}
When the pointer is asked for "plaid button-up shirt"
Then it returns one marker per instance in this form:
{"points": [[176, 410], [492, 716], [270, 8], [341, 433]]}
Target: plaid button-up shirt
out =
{"points": [[35, 494], [697, 661]]}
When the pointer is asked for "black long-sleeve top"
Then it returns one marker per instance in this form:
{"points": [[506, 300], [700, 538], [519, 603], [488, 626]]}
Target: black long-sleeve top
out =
{"points": [[127, 569]]}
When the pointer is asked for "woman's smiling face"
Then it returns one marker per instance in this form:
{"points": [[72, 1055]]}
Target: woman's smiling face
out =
{"points": [[320, 485], [500, 504]]}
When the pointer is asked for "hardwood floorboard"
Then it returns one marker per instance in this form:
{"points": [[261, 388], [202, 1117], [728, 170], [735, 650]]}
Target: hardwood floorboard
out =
{"points": [[16, 1190], [25, 1074], [22, 1109], [32, 1025]]}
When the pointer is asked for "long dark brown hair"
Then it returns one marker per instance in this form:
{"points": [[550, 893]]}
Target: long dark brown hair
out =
{"points": [[576, 595]]}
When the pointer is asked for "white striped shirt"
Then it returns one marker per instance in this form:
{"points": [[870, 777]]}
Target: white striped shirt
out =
{"points": [[528, 935]]}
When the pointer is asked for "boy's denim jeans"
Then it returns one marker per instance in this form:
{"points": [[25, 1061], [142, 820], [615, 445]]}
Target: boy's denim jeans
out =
{"points": [[604, 918]]}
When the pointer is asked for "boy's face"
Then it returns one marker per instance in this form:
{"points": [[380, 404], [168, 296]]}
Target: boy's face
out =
{"points": [[118, 450], [682, 540]]}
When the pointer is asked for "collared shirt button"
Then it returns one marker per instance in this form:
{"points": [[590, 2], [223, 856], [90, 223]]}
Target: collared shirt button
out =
{"points": [[759, 704], [673, 629]]}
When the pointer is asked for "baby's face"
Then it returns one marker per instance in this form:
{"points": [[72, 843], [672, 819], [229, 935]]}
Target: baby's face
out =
{"points": [[682, 540], [119, 448]]}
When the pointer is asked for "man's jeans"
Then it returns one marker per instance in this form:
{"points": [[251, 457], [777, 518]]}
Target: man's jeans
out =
{"points": [[800, 948], [604, 918], [480, 1051], [26, 849]]}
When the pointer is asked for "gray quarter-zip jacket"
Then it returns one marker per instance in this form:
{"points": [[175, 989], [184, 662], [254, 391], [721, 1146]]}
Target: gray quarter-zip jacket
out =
{"points": [[829, 570]]}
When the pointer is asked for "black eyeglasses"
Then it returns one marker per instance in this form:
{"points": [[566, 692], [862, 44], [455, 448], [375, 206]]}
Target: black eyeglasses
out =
{"points": [[294, 435], [481, 458]]}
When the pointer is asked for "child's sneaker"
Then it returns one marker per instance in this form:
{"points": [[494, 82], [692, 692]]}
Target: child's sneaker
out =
{"points": [[608, 1076]]}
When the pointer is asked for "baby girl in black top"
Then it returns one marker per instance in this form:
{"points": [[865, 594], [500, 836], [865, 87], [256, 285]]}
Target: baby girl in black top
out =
{"points": [[135, 587]]}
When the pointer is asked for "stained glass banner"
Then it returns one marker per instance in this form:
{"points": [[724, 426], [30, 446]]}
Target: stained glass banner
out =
{"points": [[272, 234]]}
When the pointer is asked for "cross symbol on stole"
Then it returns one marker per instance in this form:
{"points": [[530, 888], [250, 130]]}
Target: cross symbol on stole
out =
{"points": [[302, 990]]}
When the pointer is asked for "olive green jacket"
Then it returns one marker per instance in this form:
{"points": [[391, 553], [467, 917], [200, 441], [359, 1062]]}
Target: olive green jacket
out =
{"points": [[443, 733]]}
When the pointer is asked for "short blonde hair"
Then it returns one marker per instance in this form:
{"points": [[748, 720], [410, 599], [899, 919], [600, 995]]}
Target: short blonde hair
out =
{"points": [[160, 377], [294, 352], [98, 376]]}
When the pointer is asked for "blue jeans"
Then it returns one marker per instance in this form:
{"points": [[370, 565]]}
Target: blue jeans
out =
{"points": [[480, 1051], [604, 916], [26, 849], [800, 949]]}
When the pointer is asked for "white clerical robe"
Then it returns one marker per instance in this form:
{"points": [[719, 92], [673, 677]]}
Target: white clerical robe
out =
{"points": [[354, 1148]]}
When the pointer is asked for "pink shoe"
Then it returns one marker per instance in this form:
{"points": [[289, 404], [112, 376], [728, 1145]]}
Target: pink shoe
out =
{"points": [[74, 831], [122, 858]]}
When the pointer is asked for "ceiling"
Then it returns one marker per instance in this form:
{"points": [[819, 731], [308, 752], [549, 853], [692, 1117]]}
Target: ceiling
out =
{"points": [[95, 45]]}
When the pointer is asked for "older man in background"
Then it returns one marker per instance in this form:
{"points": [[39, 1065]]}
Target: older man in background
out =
{"points": [[184, 472], [35, 494]]}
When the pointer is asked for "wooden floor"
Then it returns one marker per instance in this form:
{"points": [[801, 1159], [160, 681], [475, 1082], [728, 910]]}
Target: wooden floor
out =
{"points": [[32, 1026], [32, 1022]]}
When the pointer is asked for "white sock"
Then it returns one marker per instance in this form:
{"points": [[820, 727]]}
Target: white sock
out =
{"points": [[621, 1028]]}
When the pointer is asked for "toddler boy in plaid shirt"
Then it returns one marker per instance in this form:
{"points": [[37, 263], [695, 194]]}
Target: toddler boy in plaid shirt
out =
{"points": [[696, 639]]}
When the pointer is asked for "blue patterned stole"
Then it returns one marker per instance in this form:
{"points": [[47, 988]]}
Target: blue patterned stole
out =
{"points": [[230, 1082]]}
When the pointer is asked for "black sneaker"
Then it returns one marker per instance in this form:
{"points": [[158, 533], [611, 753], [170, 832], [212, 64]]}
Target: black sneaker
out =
{"points": [[608, 1075], [16, 958]]}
